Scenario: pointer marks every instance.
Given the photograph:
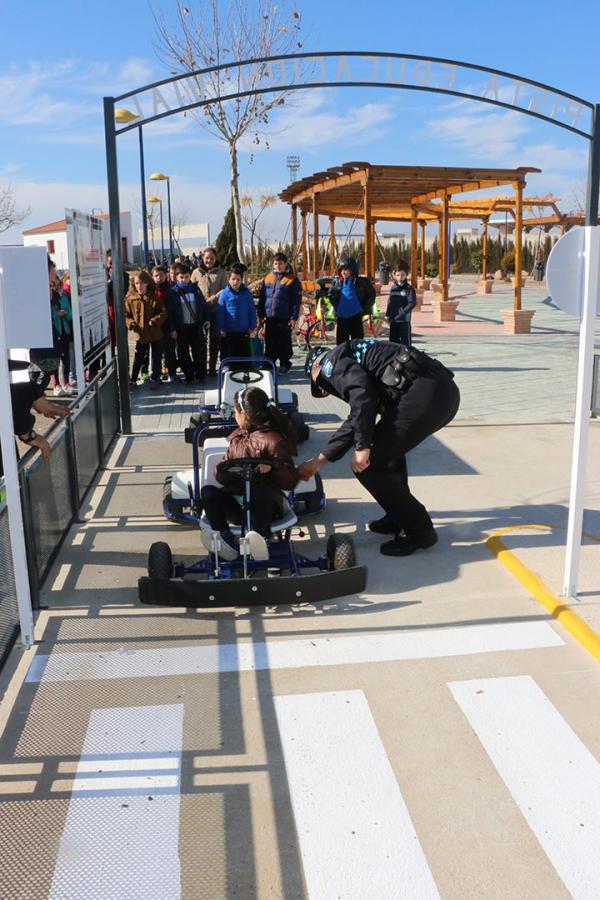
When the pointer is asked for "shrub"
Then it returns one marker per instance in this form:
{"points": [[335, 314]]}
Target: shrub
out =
{"points": [[507, 263]]}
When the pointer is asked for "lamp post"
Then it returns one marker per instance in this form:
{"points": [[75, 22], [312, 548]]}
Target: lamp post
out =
{"points": [[158, 176], [162, 236], [124, 115]]}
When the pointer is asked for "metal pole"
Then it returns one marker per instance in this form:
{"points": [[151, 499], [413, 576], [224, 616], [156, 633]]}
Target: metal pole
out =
{"points": [[162, 237], [171, 256], [585, 365], [591, 299], [110, 138], [143, 188]]}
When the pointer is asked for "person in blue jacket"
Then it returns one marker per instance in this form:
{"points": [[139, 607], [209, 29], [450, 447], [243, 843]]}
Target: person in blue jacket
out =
{"points": [[278, 305], [187, 315], [236, 314], [401, 302]]}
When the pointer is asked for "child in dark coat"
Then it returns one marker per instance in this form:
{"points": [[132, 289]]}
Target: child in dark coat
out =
{"points": [[401, 302]]}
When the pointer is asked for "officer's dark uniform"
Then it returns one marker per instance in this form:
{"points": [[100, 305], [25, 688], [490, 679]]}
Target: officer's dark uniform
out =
{"points": [[408, 414]]}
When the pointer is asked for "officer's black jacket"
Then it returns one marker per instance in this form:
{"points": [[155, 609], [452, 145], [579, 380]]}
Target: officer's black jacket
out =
{"points": [[353, 373]]}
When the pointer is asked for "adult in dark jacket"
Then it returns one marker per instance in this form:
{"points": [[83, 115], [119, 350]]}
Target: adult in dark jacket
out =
{"points": [[278, 306], [263, 433], [188, 314], [352, 297], [402, 299], [414, 396]]}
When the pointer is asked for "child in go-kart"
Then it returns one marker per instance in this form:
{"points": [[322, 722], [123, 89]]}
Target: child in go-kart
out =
{"points": [[263, 432]]}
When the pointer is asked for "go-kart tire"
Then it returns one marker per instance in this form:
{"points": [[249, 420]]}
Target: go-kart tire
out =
{"points": [[160, 561], [340, 552]]}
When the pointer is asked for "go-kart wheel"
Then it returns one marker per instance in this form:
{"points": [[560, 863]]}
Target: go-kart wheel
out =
{"points": [[160, 561], [340, 552], [247, 376]]}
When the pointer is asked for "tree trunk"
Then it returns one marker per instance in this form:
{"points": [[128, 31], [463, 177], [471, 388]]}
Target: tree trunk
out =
{"points": [[235, 202]]}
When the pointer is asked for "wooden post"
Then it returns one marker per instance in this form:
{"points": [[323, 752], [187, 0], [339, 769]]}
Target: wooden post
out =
{"points": [[372, 247], [316, 253], [423, 272], [303, 215], [444, 255], [414, 257], [294, 237], [367, 220], [484, 239], [332, 259], [518, 242]]}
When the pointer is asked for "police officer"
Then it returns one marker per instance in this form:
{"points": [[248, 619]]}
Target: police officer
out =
{"points": [[414, 396]]}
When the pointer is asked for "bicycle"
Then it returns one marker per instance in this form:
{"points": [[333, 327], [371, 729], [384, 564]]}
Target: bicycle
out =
{"points": [[312, 328]]}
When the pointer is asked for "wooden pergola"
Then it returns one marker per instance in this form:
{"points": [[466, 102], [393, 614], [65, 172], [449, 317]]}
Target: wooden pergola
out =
{"points": [[415, 194]]}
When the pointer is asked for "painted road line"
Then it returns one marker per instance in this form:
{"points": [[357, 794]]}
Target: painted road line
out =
{"points": [[124, 845], [561, 611], [248, 656], [356, 836], [551, 774]]}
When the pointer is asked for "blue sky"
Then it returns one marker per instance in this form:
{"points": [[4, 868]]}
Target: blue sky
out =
{"points": [[59, 61]]}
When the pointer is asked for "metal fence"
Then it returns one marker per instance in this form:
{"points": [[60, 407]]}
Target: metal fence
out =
{"points": [[52, 491]]}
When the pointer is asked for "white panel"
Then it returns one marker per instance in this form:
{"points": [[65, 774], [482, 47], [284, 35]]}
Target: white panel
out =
{"points": [[25, 296], [247, 656], [356, 836], [551, 774], [117, 844]]}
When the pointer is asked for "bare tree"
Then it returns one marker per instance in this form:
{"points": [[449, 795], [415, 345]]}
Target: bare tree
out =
{"points": [[9, 214], [228, 31], [180, 216], [252, 210]]}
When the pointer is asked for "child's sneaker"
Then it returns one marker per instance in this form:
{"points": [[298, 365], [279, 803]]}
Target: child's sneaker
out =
{"points": [[259, 549], [59, 391]]}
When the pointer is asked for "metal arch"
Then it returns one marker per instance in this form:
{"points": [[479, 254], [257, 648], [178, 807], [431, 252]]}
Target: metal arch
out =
{"points": [[371, 84], [362, 55]]}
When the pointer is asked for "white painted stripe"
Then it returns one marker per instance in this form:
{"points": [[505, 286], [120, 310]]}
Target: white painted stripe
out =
{"points": [[247, 656], [551, 774], [122, 845], [355, 832], [125, 783], [127, 765]]}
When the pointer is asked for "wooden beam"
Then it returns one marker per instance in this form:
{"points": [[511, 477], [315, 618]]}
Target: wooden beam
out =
{"points": [[484, 241], [305, 263], [445, 247], [316, 254], [414, 225], [423, 273], [367, 222], [518, 241], [294, 237], [332, 248]]}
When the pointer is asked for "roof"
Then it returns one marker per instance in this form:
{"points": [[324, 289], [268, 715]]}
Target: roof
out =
{"points": [[58, 226], [392, 190]]}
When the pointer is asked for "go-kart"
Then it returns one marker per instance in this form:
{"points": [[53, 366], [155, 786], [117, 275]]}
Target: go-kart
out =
{"points": [[246, 581]]}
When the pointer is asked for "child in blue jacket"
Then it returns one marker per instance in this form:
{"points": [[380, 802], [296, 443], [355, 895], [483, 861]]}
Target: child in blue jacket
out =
{"points": [[236, 314]]}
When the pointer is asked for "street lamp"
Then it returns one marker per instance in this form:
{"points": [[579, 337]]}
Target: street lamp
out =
{"points": [[123, 116], [158, 176], [162, 237]]}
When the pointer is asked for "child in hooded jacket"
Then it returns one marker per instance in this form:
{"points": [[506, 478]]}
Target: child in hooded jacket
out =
{"points": [[263, 432], [236, 314]]}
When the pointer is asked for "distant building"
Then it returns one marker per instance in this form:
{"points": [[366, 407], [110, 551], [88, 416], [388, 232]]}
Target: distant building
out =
{"points": [[469, 234], [54, 237]]}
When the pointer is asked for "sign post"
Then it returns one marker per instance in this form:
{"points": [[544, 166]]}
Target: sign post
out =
{"points": [[573, 274], [24, 321]]}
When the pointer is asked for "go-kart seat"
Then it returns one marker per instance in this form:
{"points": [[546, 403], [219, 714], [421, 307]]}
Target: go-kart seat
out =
{"points": [[212, 454]]}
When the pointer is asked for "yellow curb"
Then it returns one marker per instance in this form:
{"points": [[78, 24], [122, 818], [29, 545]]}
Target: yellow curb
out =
{"points": [[563, 613]]}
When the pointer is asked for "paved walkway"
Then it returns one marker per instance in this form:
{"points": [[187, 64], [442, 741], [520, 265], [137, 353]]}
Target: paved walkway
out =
{"points": [[438, 735]]}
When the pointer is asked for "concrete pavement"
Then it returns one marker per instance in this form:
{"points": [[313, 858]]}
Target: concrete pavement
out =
{"points": [[437, 736]]}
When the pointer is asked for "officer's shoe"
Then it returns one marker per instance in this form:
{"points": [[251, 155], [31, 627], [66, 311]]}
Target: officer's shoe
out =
{"points": [[404, 545], [385, 525]]}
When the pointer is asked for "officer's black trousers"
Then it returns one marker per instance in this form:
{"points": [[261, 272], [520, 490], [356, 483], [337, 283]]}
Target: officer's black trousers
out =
{"points": [[430, 403]]}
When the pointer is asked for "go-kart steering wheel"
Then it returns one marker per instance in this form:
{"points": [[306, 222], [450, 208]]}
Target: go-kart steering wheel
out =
{"points": [[248, 377], [245, 465]]}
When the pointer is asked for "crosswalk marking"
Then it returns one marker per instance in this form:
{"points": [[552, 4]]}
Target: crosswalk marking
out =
{"points": [[356, 836], [117, 844], [248, 656], [552, 776]]}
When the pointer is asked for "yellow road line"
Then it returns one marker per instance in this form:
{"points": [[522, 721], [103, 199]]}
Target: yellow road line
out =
{"points": [[561, 611]]}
